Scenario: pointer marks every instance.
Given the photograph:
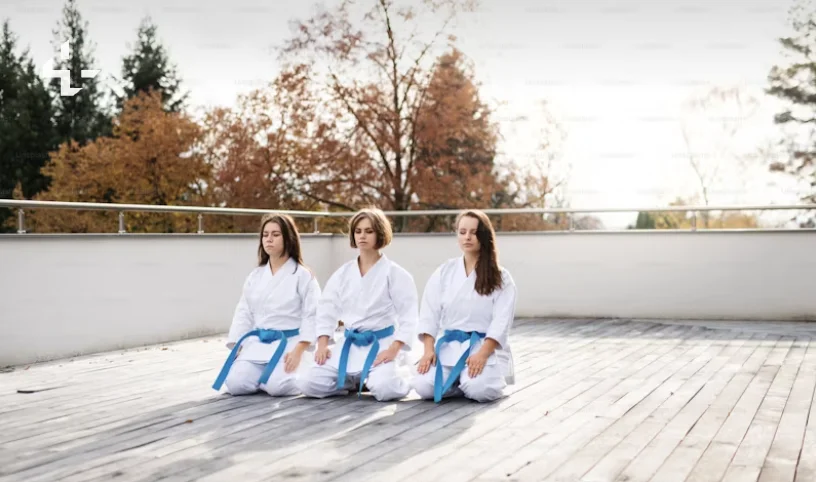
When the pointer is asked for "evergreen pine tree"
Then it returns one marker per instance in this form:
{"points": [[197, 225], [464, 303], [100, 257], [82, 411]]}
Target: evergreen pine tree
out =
{"points": [[148, 67], [80, 117], [26, 128]]}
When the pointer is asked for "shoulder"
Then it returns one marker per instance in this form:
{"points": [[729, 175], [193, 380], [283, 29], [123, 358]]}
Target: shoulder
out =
{"points": [[254, 275], [446, 268], [340, 272], [346, 266], [397, 271], [304, 274], [507, 278], [257, 272], [449, 265]]}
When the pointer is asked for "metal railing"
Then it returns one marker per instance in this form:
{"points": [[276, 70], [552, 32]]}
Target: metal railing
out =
{"points": [[316, 215]]}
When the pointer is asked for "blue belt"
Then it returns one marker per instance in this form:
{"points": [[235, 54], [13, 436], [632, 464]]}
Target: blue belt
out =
{"points": [[266, 336], [361, 338], [440, 386]]}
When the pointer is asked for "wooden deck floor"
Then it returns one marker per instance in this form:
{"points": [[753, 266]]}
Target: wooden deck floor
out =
{"points": [[595, 401]]}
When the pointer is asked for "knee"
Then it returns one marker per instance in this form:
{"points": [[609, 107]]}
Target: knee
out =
{"points": [[283, 387], [237, 385], [387, 386], [482, 388], [311, 385], [423, 387]]}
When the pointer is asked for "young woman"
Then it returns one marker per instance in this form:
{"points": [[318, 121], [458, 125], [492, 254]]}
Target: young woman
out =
{"points": [[274, 320], [467, 310], [377, 302]]}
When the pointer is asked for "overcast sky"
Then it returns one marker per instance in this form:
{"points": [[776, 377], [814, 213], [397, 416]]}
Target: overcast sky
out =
{"points": [[614, 74]]}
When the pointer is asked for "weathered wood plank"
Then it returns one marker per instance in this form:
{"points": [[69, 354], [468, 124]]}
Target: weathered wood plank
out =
{"points": [[595, 400], [783, 456], [676, 415]]}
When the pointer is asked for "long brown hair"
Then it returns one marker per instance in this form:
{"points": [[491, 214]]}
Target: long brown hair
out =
{"points": [[290, 234], [488, 274]]}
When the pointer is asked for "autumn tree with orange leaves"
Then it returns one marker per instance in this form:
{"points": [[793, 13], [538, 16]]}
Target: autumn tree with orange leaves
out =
{"points": [[419, 135], [369, 109], [372, 64], [150, 158]]}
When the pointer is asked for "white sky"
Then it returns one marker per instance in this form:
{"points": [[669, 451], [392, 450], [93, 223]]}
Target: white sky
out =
{"points": [[614, 74]]}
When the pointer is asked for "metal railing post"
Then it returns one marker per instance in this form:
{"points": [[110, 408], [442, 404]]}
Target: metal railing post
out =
{"points": [[200, 224], [122, 222], [20, 221]]}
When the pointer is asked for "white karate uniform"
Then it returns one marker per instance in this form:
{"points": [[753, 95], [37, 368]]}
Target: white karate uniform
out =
{"points": [[283, 301], [385, 296], [450, 302]]}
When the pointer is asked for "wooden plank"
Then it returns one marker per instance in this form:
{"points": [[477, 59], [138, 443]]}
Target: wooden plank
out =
{"points": [[689, 380], [753, 449], [783, 456], [675, 415]]}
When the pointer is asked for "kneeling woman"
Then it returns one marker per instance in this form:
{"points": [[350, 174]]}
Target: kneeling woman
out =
{"points": [[470, 301], [274, 320], [377, 302]]}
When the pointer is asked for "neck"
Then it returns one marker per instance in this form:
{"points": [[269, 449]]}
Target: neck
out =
{"points": [[369, 256], [470, 261], [277, 262]]}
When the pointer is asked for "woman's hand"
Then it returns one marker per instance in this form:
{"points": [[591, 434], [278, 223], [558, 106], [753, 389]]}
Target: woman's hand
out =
{"points": [[322, 352], [388, 355], [426, 362], [292, 359], [476, 363]]}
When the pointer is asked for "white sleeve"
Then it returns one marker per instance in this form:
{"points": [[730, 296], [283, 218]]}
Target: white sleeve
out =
{"points": [[504, 310], [403, 292], [242, 321], [431, 308], [329, 307], [310, 296]]}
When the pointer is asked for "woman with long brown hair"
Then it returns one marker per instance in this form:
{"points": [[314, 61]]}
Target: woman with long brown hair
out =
{"points": [[465, 317], [273, 322]]}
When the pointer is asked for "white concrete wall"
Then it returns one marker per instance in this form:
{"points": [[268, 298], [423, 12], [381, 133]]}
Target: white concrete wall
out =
{"points": [[64, 295]]}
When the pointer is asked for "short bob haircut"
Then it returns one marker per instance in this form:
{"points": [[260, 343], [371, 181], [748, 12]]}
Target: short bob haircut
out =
{"points": [[378, 221]]}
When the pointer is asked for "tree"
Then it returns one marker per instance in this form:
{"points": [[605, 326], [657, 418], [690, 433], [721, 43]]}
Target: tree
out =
{"points": [[80, 117], [273, 151], [152, 157], [148, 67], [644, 220], [540, 182], [27, 133], [711, 131], [373, 69], [794, 81], [684, 220], [455, 140]]}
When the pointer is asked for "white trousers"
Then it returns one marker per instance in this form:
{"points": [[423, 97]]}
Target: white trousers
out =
{"points": [[384, 383], [485, 387], [243, 379]]}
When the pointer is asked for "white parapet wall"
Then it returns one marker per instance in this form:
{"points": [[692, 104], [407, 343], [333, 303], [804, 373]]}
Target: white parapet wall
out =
{"points": [[67, 295]]}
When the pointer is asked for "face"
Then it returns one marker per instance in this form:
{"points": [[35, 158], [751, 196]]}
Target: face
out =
{"points": [[466, 234], [272, 239], [364, 235]]}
